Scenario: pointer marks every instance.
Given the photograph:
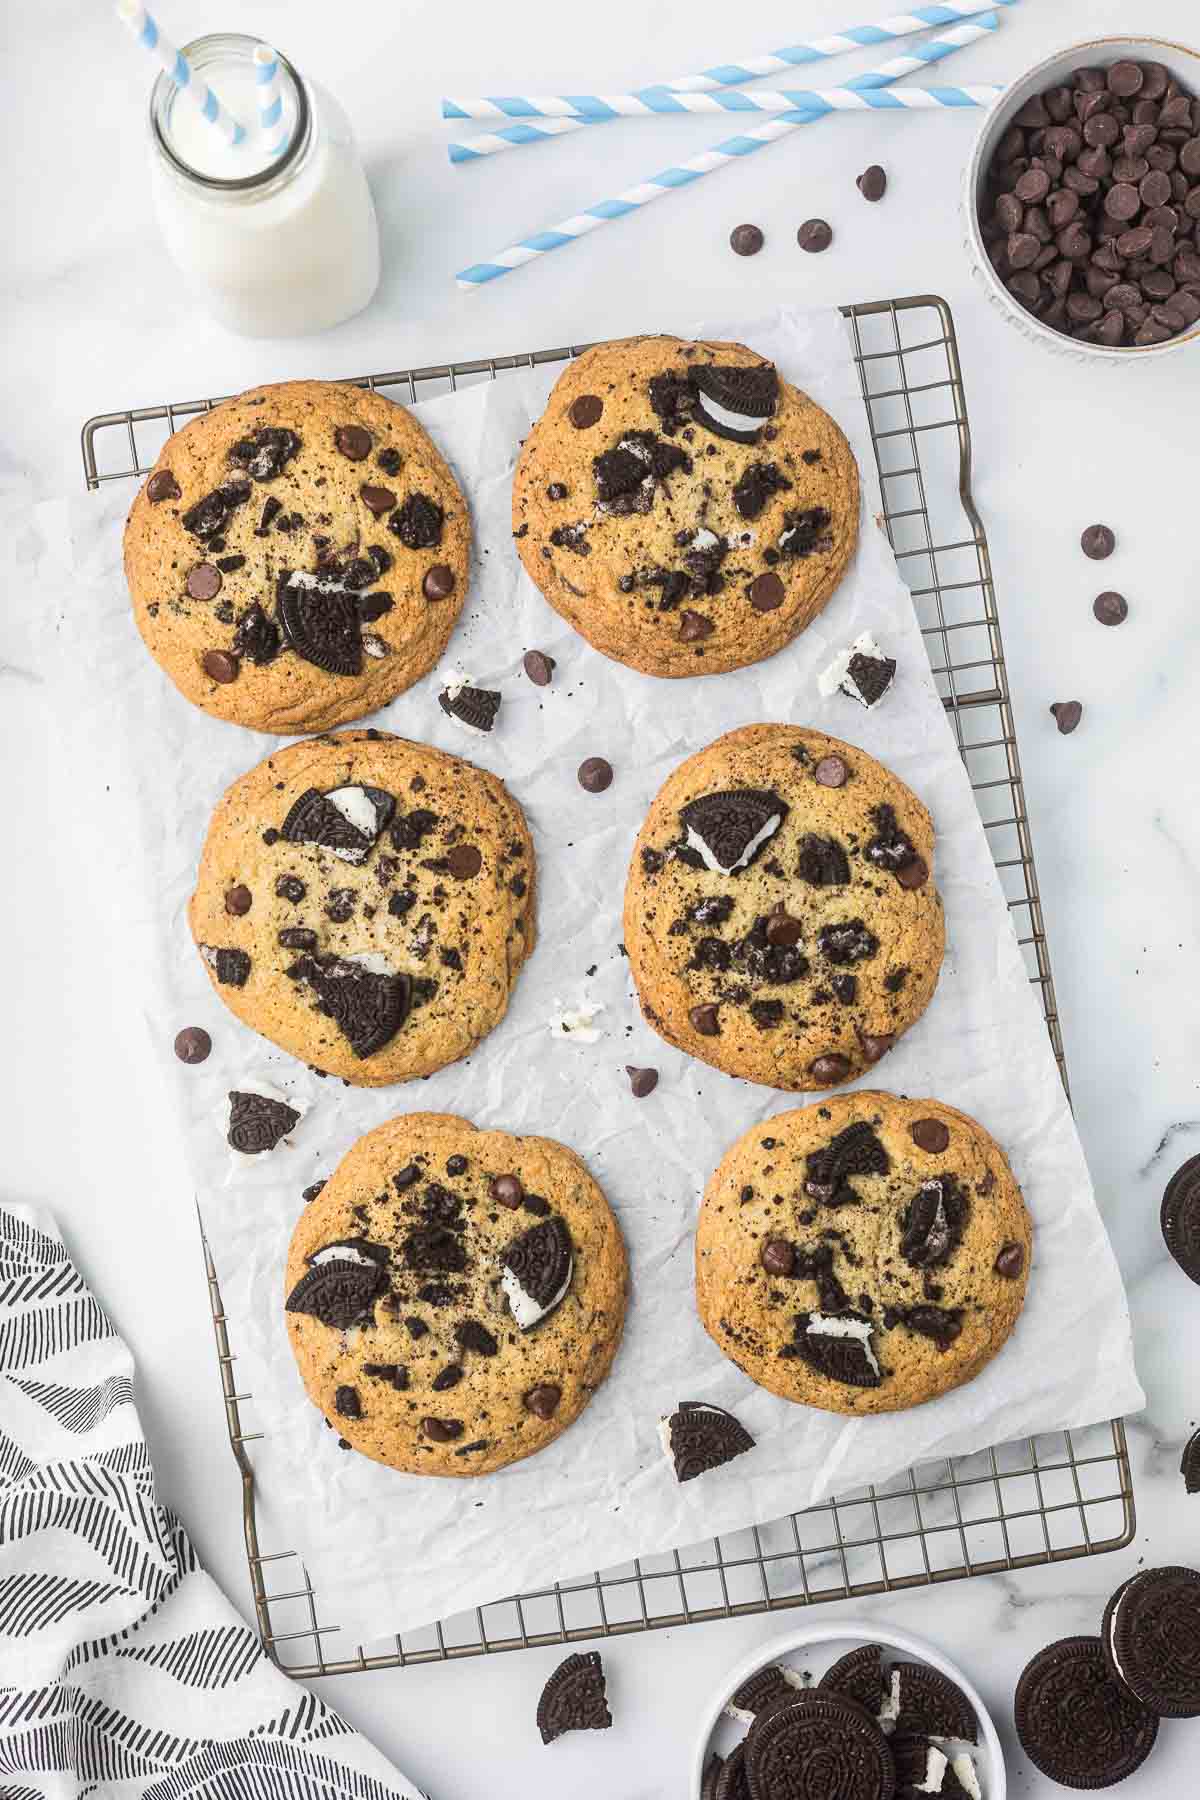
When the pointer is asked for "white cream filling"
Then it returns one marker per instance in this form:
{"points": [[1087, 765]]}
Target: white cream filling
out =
{"points": [[374, 646], [1112, 1643], [837, 675], [794, 1679], [523, 1307], [357, 808], [372, 962], [964, 1768], [732, 421], [935, 1769], [830, 1325], [703, 539], [889, 1712], [342, 1253], [697, 843], [323, 584], [576, 1022]]}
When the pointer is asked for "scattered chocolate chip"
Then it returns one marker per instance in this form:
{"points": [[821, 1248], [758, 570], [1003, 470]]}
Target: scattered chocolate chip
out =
{"points": [[507, 1190], [872, 183], [831, 771], [238, 900], [585, 410], [1067, 714], [442, 1431], [1097, 542], [746, 240], [377, 500], [1110, 608], [694, 627], [192, 1044], [539, 667], [641, 1081], [220, 666], [705, 1020], [777, 1256], [204, 581], [1010, 1260], [353, 441], [930, 1135], [594, 774], [875, 1045], [829, 1069], [161, 486], [447, 1378], [543, 1400], [463, 861], [782, 929], [814, 235], [914, 873]]}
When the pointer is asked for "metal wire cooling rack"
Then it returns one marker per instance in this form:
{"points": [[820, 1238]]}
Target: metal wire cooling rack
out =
{"points": [[1040, 1500]]}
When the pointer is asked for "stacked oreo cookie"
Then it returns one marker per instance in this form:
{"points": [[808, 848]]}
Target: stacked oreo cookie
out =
{"points": [[1088, 1708]]}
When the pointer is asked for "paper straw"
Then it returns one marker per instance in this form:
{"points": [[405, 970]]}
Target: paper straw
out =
{"points": [[814, 100], [177, 66], [268, 91], [683, 174], [592, 108]]}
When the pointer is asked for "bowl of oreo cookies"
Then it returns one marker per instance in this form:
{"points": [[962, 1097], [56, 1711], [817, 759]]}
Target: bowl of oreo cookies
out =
{"points": [[850, 1709], [1082, 199]]}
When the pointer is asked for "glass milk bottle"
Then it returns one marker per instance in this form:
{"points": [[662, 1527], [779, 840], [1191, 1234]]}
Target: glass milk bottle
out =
{"points": [[275, 244]]}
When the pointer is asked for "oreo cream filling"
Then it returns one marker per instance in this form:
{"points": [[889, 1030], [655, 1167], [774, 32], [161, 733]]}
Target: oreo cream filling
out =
{"points": [[524, 1308], [837, 677], [830, 1325], [794, 1679], [889, 1712], [968, 1779], [935, 1769], [360, 811], [726, 417]]}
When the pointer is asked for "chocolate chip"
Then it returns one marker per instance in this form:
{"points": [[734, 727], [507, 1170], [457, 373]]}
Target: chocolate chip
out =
{"points": [[875, 1045], [641, 1081], [538, 666], [705, 1020], [405, 1178], [192, 1044], [439, 582], [1097, 542], [815, 235], [1110, 608], [585, 410], [929, 1134], [913, 874], [1067, 714], [831, 772], [446, 1378], [594, 774], [204, 581], [377, 500], [220, 666], [694, 627], [830, 1068], [777, 1256], [543, 1400], [767, 592], [507, 1190], [782, 929], [456, 1165], [238, 900], [442, 1431], [1010, 1261], [464, 861], [161, 486], [746, 240], [1125, 79], [297, 937], [872, 183], [353, 441], [390, 461], [557, 490]]}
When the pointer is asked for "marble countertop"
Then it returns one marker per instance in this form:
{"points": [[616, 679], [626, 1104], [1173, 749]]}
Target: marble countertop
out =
{"points": [[94, 318]]}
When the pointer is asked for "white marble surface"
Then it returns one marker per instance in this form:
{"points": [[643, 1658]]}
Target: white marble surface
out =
{"points": [[94, 318]]}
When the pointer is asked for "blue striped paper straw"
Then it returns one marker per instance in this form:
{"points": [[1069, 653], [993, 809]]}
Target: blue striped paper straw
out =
{"points": [[268, 92], [145, 29], [683, 174], [735, 100]]}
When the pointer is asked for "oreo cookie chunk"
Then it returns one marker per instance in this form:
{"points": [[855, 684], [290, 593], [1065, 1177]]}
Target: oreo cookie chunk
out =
{"points": [[931, 1705], [699, 1436], [819, 1743], [1151, 1637], [474, 708], [760, 934], [1180, 1217], [767, 1687], [837, 1273], [366, 903], [862, 672], [254, 591], [731, 1782], [682, 507], [859, 1675], [574, 1698], [398, 1292], [1189, 1464], [1076, 1722], [920, 1766], [259, 1119]]}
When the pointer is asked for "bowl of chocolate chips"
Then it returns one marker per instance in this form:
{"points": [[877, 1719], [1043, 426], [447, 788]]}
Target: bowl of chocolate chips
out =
{"points": [[1082, 199]]}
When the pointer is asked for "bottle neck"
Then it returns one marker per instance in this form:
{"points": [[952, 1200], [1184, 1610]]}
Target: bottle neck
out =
{"points": [[196, 153]]}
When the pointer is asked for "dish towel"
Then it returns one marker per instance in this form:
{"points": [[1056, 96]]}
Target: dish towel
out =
{"points": [[124, 1671]]}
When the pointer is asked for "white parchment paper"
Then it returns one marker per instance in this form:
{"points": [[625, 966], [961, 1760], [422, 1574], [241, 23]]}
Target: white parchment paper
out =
{"points": [[386, 1551]]}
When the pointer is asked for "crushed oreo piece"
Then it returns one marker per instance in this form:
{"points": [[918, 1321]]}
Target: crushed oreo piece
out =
{"points": [[340, 1290], [231, 967], [847, 941], [206, 519], [756, 485], [933, 1223], [476, 707], [574, 1698], [474, 1336], [418, 523], [265, 453], [823, 862], [257, 636], [855, 1151], [805, 532], [368, 1008], [257, 1122], [838, 1347], [699, 1437], [941, 1324]]}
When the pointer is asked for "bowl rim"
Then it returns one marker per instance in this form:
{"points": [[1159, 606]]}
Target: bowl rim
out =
{"points": [[865, 1631], [995, 121]]}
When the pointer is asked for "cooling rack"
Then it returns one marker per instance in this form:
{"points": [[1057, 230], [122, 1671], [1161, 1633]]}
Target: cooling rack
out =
{"points": [[1039, 1500]]}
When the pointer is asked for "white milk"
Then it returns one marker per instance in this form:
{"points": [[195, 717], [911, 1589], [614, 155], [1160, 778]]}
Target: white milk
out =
{"points": [[274, 247]]}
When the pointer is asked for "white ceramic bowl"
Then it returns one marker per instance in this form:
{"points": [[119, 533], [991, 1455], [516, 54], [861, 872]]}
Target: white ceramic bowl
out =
{"points": [[824, 1643], [1098, 52]]}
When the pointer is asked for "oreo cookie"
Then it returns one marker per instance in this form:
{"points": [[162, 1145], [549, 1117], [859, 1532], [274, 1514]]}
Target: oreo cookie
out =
{"points": [[257, 1122], [1076, 1722], [574, 1698], [699, 1437], [837, 1346], [728, 829], [536, 1271], [731, 1782], [367, 1005], [920, 1766], [471, 706], [1151, 1637], [346, 820], [1189, 1464], [857, 1150], [859, 1676], [341, 1285], [822, 1743], [931, 1705], [1180, 1217], [320, 621], [734, 402], [767, 1687]]}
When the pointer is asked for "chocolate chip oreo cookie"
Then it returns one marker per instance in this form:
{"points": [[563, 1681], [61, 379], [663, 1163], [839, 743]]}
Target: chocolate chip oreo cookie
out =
{"points": [[298, 556], [454, 1297], [1180, 1217], [861, 1256], [819, 1744], [781, 916], [682, 506], [1151, 1637], [366, 903], [1077, 1723]]}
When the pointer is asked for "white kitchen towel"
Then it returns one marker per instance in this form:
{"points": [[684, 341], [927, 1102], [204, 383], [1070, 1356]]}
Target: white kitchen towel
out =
{"points": [[123, 1668]]}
